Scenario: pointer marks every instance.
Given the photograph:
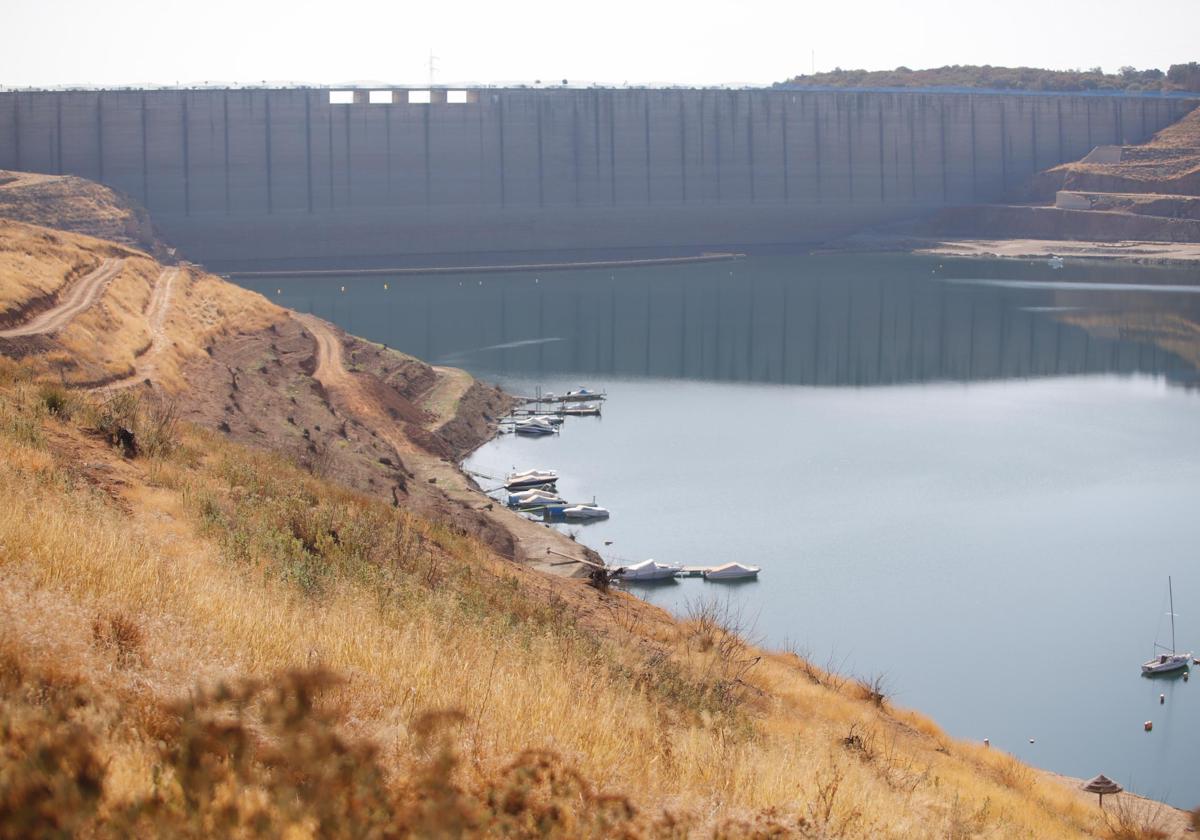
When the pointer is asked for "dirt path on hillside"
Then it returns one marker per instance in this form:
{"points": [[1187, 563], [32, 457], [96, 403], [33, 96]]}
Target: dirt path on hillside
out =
{"points": [[84, 293], [160, 304], [443, 398], [349, 396], [534, 544], [157, 309]]}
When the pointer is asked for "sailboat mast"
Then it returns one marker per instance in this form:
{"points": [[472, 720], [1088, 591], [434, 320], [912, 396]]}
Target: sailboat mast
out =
{"points": [[1171, 596]]}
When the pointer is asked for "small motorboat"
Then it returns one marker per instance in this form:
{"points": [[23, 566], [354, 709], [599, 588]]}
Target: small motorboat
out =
{"points": [[580, 395], [732, 571], [530, 479], [1055, 262], [585, 410], [585, 512], [534, 427], [535, 498], [649, 570]]}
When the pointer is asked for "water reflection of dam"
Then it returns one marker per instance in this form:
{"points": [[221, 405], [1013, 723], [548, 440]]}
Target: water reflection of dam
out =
{"points": [[838, 321]]}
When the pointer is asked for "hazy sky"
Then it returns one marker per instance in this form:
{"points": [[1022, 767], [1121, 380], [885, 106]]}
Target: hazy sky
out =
{"points": [[614, 41]]}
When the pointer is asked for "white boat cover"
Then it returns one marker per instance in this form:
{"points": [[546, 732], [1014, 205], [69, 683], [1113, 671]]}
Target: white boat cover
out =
{"points": [[585, 512], [730, 571], [544, 475], [530, 478], [650, 570], [533, 429], [536, 497]]}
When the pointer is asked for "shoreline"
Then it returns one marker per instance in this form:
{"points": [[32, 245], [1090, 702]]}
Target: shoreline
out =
{"points": [[1177, 254], [495, 268], [1175, 822]]}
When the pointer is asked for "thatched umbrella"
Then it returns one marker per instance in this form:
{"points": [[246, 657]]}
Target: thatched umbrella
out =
{"points": [[1102, 785]]}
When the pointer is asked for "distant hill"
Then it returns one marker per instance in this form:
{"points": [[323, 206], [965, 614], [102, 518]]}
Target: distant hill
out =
{"points": [[1179, 77]]}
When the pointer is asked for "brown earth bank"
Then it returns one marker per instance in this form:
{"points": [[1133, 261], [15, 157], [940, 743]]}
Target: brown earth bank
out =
{"points": [[78, 205], [1132, 251], [996, 221], [1144, 193], [1168, 163], [246, 589]]}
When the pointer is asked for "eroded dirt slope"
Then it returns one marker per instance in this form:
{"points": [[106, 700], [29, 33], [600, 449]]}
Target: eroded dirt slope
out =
{"points": [[78, 205], [233, 361]]}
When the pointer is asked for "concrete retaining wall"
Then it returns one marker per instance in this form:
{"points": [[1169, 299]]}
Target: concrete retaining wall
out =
{"points": [[236, 175]]}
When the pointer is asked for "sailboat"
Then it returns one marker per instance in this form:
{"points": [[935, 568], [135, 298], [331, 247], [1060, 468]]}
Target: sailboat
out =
{"points": [[1166, 659]]}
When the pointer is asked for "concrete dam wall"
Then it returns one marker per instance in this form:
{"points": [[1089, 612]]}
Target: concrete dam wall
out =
{"points": [[276, 175]]}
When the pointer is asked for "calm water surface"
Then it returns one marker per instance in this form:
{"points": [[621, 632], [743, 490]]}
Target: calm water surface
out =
{"points": [[971, 477]]}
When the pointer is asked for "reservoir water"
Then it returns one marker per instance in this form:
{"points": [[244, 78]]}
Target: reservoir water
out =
{"points": [[970, 477]]}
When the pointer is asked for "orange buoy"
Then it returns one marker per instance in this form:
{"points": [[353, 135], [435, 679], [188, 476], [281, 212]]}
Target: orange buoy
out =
{"points": [[1149, 725]]}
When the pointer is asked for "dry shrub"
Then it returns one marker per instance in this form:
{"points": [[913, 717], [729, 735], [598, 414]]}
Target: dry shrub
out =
{"points": [[254, 760], [147, 424], [121, 635], [874, 690], [1133, 818], [58, 400], [115, 418], [315, 458], [157, 425], [51, 779], [12, 371]]}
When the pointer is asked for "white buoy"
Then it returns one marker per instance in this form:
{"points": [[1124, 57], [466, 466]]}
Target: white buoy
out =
{"points": [[1031, 740], [1148, 725], [986, 742], [1162, 698]]}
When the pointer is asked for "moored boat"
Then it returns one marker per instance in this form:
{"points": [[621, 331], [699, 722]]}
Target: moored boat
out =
{"points": [[731, 571], [535, 498], [585, 512], [649, 570], [529, 479], [1166, 659], [578, 395], [585, 410], [534, 427]]}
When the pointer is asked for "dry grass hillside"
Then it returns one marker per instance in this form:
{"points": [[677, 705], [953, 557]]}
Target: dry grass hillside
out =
{"points": [[78, 205], [105, 342], [246, 591], [205, 638], [233, 361]]}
